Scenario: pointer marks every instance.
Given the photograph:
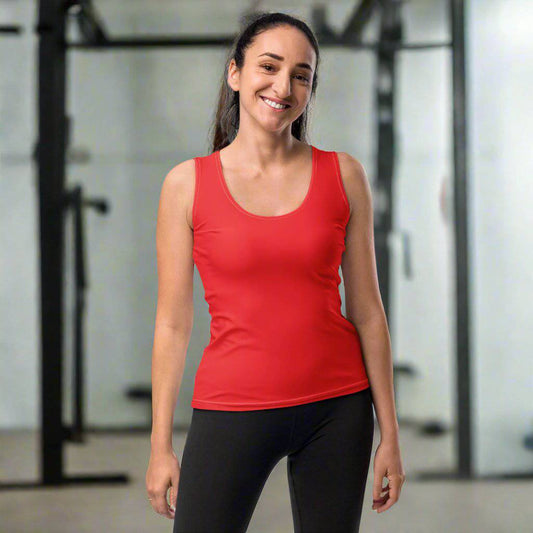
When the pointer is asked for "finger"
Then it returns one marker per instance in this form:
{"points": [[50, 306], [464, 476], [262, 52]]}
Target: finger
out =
{"points": [[383, 497], [160, 505], [378, 484], [170, 507], [394, 492], [174, 491], [171, 499]]}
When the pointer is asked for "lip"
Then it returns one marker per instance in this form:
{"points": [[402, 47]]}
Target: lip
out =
{"points": [[278, 101]]}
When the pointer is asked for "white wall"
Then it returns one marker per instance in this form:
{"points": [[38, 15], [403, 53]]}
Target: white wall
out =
{"points": [[138, 113], [500, 75], [19, 290]]}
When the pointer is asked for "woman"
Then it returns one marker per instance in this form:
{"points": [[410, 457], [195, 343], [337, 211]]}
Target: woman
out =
{"points": [[284, 374]]}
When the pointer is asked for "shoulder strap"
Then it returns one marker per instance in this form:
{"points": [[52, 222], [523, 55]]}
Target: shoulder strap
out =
{"points": [[330, 194], [208, 193], [339, 180]]}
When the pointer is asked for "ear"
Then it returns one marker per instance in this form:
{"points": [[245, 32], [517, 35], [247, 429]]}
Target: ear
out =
{"points": [[233, 75]]}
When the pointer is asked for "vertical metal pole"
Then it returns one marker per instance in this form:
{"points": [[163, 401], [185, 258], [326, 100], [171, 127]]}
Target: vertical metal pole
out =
{"points": [[78, 421], [51, 174], [464, 384], [390, 31]]}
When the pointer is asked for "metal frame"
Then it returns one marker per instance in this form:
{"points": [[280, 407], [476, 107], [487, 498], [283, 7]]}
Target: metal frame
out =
{"points": [[51, 151]]}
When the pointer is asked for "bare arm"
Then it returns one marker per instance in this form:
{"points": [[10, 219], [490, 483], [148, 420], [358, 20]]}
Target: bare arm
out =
{"points": [[364, 307], [174, 317]]}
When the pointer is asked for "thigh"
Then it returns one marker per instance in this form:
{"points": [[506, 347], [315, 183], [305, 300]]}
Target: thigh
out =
{"points": [[227, 458], [327, 473]]}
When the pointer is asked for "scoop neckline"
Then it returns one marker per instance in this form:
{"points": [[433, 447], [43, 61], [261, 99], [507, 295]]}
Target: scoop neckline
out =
{"points": [[268, 217]]}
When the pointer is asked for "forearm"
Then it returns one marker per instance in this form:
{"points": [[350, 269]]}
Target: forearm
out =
{"points": [[376, 347], [168, 363]]}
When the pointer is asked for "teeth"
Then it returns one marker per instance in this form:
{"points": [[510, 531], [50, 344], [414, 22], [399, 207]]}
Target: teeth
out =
{"points": [[274, 104]]}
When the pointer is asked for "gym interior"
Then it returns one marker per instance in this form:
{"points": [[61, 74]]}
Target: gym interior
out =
{"points": [[99, 99]]}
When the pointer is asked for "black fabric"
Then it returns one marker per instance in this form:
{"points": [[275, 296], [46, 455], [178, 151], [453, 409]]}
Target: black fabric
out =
{"points": [[229, 455]]}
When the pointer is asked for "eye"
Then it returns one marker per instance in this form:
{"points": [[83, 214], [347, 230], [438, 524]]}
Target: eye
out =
{"points": [[301, 76]]}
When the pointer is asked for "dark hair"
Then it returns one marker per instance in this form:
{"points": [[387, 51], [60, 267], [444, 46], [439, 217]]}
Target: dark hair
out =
{"points": [[226, 122]]}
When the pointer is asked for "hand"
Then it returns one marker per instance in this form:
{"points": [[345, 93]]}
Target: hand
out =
{"points": [[387, 463], [163, 473]]}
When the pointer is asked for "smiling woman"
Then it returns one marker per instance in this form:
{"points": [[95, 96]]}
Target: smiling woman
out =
{"points": [[281, 66], [283, 374], [284, 79]]}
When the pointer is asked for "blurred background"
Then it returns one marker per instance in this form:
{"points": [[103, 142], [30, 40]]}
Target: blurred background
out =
{"points": [[100, 99]]}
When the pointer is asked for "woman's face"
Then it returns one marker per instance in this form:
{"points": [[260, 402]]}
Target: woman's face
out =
{"points": [[279, 65]]}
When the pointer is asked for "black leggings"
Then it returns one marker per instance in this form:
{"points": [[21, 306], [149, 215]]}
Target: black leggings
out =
{"points": [[228, 456]]}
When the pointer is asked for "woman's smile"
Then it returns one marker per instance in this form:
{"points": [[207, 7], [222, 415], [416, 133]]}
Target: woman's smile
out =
{"points": [[273, 105]]}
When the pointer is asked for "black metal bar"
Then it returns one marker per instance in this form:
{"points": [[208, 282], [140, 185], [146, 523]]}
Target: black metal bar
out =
{"points": [[75, 201], [385, 91], [462, 302], [79, 309], [11, 29], [463, 434], [170, 42], [359, 18], [51, 162], [51, 174]]}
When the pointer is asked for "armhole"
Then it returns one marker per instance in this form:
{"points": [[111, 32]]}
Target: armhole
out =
{"points": [[196, 189], [341, 184]]}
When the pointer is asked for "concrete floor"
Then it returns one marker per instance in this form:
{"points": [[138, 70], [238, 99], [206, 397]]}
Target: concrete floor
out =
{"points": [[434, 506]]}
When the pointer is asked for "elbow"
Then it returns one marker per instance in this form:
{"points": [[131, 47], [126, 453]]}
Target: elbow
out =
{"points": [[378, 316]]}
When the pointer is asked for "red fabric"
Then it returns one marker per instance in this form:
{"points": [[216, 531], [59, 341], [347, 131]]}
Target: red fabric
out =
{"points": [[278, 337]]}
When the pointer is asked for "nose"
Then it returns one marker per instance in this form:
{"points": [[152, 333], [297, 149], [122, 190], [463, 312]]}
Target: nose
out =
{"points": [[282, 86]]}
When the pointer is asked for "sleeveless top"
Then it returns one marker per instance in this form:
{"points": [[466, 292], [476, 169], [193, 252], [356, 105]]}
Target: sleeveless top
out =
{"points": [[278, 337]]}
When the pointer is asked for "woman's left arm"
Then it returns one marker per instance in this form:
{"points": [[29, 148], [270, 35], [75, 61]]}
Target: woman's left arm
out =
{"points": [[364, 308]]}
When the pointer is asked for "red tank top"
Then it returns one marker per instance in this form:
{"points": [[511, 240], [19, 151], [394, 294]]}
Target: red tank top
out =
{"points": [[278, 337]]}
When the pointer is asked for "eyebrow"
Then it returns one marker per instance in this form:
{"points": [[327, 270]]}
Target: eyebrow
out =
{"points": [[280, 58]]}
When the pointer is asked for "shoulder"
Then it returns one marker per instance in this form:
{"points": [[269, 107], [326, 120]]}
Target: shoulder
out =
{"points": [[179, 184], [181, 175], [355, 180]]}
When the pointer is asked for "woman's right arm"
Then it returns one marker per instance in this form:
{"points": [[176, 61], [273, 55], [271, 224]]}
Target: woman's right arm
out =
{"points": [[173, 326]]}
